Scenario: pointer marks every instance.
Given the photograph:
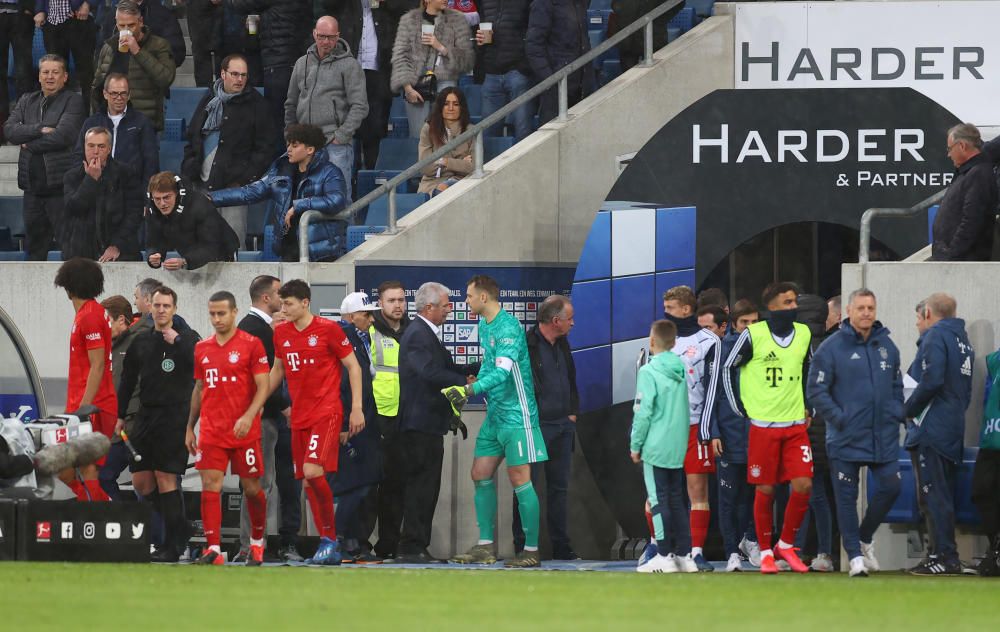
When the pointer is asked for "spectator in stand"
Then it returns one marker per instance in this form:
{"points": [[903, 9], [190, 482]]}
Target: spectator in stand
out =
{"points": [[143, 57], [231, 138], [103, 204], [330, 96], [160, 21], [133, 140], [369, 32], [467, 8], [557, 36], [45, 125], [205, 26], [68, 29], [122, 334], [16, 31], [186, 222], [303, 179], [502, 59], [624, 13], [963, 227], [284, 36], [448, 119], [432, 40]]}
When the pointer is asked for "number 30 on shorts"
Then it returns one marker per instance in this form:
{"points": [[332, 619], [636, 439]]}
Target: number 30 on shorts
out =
{"points": [[807, 454]]}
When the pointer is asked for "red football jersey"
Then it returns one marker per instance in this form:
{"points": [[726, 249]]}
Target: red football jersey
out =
{"points": [[312, 367], [227, 386], [91, 330]]}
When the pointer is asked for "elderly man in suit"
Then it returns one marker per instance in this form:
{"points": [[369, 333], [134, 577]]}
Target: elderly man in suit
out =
{"points": [[425, 367]]}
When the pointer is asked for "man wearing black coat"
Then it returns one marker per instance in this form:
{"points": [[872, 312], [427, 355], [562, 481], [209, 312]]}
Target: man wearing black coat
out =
{"points": [[425, 367], [45, 125], [557, 36], [963, 228], [231, 138], [159, 20], [284, 36], [370, 33], [554, 375], [180, 219], [103, 205], [133, 140]]}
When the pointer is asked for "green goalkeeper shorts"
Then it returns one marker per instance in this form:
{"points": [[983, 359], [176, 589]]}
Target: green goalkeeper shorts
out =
{"points": [[517, 444]]}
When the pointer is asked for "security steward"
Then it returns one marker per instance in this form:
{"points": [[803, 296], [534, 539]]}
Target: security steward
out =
{"points": [[161, 360]]}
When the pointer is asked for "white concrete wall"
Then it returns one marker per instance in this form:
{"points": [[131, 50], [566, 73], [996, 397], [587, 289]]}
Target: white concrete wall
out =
{"points": [[899, 286]]}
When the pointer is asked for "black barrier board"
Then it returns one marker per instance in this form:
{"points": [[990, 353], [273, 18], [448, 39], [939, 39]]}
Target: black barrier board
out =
{"points": [[71, 531]]}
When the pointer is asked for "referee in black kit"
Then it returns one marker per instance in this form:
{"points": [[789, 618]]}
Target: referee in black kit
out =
{"points": [[161, 360]]}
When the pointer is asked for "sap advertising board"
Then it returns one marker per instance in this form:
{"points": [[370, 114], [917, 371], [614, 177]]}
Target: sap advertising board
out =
{"points": [[949, 51]]}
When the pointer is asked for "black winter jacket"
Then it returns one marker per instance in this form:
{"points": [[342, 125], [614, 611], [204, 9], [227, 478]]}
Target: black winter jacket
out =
{"points": [[161, 383], [557, 35], [534, 338], [284, 28], [136, 146], [64, 112], [159, 20], [194, 229], [350, 17], [102, 213], [625, 12], [510, 24], [246, 143], [963, 228]]}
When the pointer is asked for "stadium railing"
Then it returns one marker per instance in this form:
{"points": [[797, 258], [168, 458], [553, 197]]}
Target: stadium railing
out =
{"points": [[645, 23], [864, 248]]}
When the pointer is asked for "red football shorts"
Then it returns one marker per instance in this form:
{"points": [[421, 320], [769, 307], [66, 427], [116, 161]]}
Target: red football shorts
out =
{"points": [[246, 461], [103, 422], [319, 444], [699, 458], [778, 454]]}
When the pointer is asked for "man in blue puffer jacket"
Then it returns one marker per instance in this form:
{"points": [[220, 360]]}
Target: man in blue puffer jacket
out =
{"points": [[856, 386], [301, 180], [937, 408]]}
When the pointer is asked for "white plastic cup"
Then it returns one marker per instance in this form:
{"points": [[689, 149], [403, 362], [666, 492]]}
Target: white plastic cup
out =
{"points": [[252, 21], [427, 29], [123, 35]]}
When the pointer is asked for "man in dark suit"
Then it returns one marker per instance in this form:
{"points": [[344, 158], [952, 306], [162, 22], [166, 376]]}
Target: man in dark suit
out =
{"points": [[425, 367], [264, 304]]}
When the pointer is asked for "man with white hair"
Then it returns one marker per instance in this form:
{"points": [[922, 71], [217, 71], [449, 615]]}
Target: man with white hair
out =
{"points": [[425, 367]]}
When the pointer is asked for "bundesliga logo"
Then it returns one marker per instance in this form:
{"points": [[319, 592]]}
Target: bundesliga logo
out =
{"points": [[755, 471]]}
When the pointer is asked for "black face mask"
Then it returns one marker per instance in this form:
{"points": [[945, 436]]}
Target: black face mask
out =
{"points": [[781, 321]]}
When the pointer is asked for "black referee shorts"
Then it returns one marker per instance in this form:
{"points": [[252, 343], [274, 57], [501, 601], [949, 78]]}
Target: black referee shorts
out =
{"points": [[158, 436]]}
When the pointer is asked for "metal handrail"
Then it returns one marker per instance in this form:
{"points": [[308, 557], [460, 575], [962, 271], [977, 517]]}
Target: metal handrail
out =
{"points": [[561, 77], [872, 213]]}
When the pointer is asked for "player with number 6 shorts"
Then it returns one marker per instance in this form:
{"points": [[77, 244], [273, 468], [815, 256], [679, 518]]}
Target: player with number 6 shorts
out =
{"points": [[773, 358], [231, 384]]}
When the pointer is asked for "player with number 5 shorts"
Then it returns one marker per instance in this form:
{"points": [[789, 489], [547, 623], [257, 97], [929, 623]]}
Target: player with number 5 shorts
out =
{"points": [[309, 352], [231, 380]]}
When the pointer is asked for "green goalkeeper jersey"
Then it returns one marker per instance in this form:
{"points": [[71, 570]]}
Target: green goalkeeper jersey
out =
{"points": [[505, 375]]}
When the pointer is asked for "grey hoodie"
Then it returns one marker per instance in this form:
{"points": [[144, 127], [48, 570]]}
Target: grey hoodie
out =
{"points": [[328, 93]]}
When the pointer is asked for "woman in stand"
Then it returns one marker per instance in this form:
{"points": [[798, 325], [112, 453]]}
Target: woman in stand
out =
{"points": [[448, 119]]}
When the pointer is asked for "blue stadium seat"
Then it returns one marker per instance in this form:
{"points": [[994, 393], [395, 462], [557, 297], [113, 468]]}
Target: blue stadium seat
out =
{"points": [[474, 99], [182, 102], [683, 20], [356, 235], [12, 215], [6, 239], [13, 255], [493, 146], [173, 129], [368, 181], [378, 212], [397, 153], [610, 69], [249, 256], [596, 38], [256, 218], [171, 155], [702, 8], [399, 125], [672, 34], [600, 4], [597, 19], [54, 255]]}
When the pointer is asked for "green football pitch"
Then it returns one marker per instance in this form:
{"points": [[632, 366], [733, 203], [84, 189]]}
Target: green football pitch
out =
{"points": [[142, 597]]}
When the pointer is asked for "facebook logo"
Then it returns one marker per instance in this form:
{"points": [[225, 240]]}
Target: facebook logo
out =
{"points": [[66, 531]]}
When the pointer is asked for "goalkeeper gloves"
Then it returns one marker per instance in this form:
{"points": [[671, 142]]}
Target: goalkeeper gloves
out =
{"points": [[456, 396]]}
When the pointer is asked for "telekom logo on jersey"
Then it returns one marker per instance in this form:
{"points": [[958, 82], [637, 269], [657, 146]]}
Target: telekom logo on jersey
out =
{"points": [[293, 361], [212, 377]]}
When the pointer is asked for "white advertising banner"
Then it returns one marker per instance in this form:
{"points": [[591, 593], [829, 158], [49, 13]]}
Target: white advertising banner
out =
{"points": [[949, 51]]}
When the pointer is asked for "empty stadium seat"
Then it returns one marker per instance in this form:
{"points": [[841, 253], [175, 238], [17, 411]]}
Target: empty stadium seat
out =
{"points": [[399, 125], [171, 155], [13, 255], [173, 129], [673, 33], [356, 235], [397, 153], [702, 8], [182, 102], [54, 255], [684, 20], [249, 256], [378, 211]]}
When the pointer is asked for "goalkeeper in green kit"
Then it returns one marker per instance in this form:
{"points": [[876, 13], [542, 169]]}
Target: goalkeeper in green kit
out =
{"points": [[511, 427]]}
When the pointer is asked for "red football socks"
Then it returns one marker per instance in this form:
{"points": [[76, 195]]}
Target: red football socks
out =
{"points": [[649, 523], [795, 512], [699, 527], [211, 516], [321, 504], [763, 517], [257, 507], [96, 491]]}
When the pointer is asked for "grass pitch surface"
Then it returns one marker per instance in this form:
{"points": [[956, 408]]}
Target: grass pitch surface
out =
{"points": [[144, 597]]}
